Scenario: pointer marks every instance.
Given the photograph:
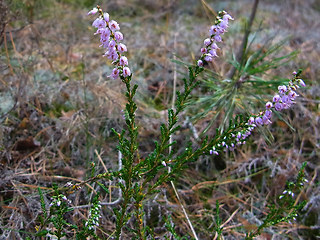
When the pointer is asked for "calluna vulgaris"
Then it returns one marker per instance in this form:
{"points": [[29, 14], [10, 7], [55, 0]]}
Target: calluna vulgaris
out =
{"points": [[110, 38]]}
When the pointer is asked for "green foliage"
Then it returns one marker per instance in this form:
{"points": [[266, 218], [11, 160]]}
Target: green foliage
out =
{"points": [[170, 227], [93, 221], [139, 178], [287, 209], [56, 216], [218, 222], [251, 83]]}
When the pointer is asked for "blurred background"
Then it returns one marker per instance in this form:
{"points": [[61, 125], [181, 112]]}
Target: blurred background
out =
{"points": [[58, 105]]}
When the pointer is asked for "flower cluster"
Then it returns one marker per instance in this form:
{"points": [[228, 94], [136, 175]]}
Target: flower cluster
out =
{"points": [[284, 99], [58, 200], [110, 38], [94, 215], [209, 51]]}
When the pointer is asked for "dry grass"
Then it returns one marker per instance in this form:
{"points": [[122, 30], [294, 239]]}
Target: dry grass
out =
{"points": [[58, 106]]}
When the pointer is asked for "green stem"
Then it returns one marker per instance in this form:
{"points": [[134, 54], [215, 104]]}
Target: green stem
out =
{"points": [[129, 155]]}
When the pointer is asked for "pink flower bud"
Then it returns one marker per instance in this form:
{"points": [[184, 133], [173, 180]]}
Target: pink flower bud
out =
{"points": [[227, 17], [123, 61], [200, 63], [204, 50], [126, 72], [93, 11], [106, 17], [301, 82], [268, 105], [207, 42], [251, 120], [114, 26], [122, 47], [115, 73]]}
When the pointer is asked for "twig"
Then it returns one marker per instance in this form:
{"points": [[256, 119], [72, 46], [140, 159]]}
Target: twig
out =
{"points": [[243, 47]]}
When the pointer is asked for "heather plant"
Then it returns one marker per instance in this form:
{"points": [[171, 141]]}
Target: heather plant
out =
{"points": [[138, 178], [58, 208], [249, 80], [287, 209]]}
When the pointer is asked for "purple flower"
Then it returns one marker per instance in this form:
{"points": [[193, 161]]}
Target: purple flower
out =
{"points": [[268, 105], [285, 99], [214, 46], [118, 36], [213, 52], [200, 63], [214, 30], [266, 120], [102, 31], [292, 94], [208, 58], [217, 38], [282, 89], [93, 11], [302, 83], [251, 120], [126, 72], [227, 17], [203, 50], [268, 114], [113, 55], [286, 105], [223, 26], [112, 44], [259, 121], [207, 42], [276, 98], [114, 26], [122, 47], [115, 73], [99, 23], [123, 61], [215, 152], [106, 16], [104, 43], [278, 106], [105, 33]]}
